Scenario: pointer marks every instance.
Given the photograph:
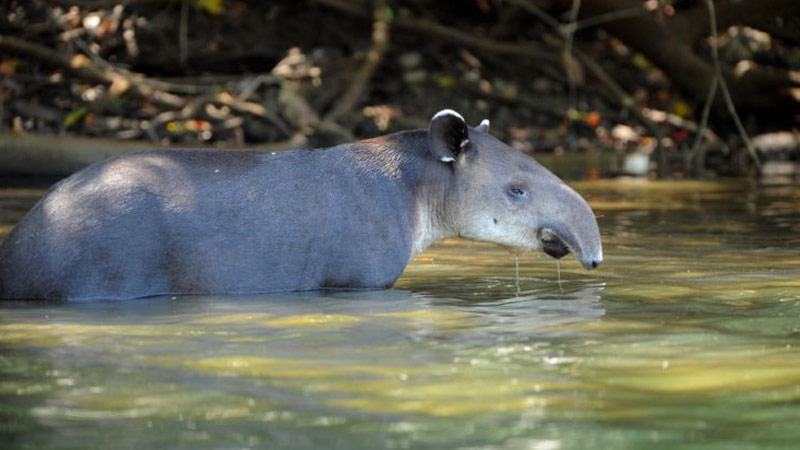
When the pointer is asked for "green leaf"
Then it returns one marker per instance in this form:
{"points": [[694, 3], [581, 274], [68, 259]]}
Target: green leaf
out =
{"points": [[628, 101], [387, 13], [445, 81], [75, 115], [211, 6]]}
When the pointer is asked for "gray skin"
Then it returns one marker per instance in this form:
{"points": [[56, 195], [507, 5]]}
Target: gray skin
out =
{"points": [[350, 216]]}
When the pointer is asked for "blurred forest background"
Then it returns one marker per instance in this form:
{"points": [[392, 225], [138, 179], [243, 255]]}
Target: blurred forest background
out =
{"points": [[667, 88]]}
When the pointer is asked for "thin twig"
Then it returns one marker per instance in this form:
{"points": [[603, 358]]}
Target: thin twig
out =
{"points": [[573, 18], [613, 16], [751, 149], [183, 35], [577, 25], [698, 140], [568, 58], [452, 35], [621, 97], [726, 94], [540, 14], [381, 30], [712, 93], [206, 84]]}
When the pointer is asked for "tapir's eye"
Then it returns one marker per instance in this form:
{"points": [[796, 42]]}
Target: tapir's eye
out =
{"points": [[516, 191]]}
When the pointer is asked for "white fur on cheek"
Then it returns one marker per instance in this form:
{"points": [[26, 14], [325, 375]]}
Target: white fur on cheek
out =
{"points": [[504, 233]]}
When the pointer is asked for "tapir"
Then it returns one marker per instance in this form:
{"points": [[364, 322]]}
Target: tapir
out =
{"points": [[352, 216]]}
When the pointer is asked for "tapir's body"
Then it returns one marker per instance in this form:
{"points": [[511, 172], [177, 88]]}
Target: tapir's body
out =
{"points": [[195, 221], [206, 221]]}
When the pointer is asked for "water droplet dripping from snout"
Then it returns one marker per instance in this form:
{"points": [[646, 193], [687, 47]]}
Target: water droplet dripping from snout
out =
{"points": [[516, 273], [558, 272]]}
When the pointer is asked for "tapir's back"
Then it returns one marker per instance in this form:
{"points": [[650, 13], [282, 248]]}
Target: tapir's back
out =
{"points": [[205, 221]]}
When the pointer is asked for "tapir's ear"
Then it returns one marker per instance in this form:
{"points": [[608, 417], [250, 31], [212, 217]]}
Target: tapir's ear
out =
{"points": [[484, 126], [448, 135]]}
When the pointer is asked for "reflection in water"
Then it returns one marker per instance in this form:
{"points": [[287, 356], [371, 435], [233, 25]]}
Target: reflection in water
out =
{"points": [[686, 337]]}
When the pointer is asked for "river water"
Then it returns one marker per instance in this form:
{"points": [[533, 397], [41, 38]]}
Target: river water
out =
{"points": [[688, 336]]}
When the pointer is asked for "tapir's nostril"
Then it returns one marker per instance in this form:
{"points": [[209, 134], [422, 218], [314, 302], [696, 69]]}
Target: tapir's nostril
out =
{"points": [[590, 264]]}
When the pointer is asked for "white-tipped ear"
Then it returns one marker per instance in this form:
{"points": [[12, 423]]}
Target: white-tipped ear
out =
{"points": [[484, 126], [447, 112], [448, 135]]}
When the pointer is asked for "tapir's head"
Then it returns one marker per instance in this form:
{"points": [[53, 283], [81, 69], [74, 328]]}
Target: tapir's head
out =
{"points": [[503, 196]]}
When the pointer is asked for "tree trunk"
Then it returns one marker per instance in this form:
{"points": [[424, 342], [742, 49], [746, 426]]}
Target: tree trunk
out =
{"points": [[668, 41]]}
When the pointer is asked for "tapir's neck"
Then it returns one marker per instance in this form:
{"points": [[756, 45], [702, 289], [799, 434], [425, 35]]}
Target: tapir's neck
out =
{"points": [[431, 222], [428, 180]]}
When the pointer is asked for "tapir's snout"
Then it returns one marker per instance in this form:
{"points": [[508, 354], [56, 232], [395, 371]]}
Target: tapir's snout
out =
{"points": [[571, 227], [558, 241], [590, 263]]}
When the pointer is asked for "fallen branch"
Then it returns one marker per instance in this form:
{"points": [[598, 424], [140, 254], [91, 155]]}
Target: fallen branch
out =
{"points": [[89, 4], [674, 120], [255, 109], [84, 67], [57, 155], [209, 82], [62, 155], [193, 108]]}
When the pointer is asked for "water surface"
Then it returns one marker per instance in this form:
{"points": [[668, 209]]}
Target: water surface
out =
{"points": [[686, 337]]}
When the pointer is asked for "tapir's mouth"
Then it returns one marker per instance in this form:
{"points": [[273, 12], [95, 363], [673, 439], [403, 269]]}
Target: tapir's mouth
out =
{"points": [[554, 246]]}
